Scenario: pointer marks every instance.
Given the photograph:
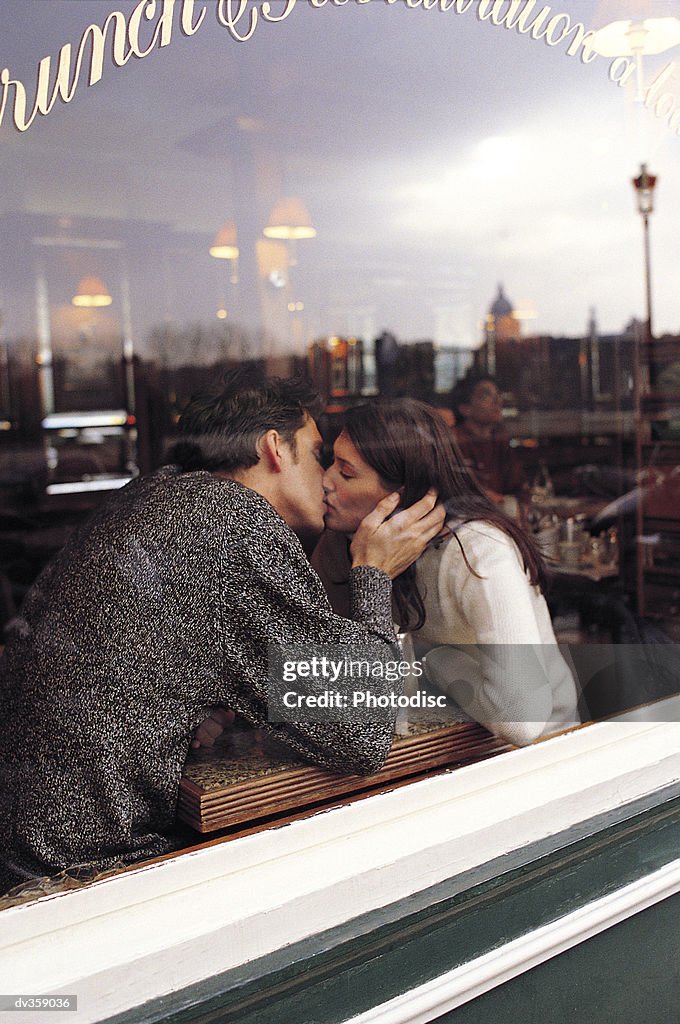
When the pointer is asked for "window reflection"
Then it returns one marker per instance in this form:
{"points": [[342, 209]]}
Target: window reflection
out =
{"points": [[291, 203]]}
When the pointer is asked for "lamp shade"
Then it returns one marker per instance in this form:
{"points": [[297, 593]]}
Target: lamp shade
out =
{"points": [[290, 220], [225, 245], [91, 292], [624, 28], [626, 38]]}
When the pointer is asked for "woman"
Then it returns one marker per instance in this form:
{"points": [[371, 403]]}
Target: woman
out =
{"points": [[478, 592]]}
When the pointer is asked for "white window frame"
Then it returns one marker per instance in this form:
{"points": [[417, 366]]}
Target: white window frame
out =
{"points": [[165, 926]]}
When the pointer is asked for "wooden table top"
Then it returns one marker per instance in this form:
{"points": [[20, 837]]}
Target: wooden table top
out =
{"points": [[248, 776]]}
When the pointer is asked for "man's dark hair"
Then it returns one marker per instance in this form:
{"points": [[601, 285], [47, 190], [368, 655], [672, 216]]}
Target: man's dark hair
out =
{"points": [[462, 391], [220, 427]]}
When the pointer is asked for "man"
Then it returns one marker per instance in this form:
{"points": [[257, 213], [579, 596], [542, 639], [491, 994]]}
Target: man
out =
{"points": [[164, 605], [478, 407]]}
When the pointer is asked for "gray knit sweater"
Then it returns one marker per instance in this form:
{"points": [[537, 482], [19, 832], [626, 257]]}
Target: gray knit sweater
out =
{"points": [[160, 607]]}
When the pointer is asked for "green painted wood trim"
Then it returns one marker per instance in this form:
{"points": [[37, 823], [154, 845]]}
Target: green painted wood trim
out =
{"points": [[629, 974], [333, 976]]}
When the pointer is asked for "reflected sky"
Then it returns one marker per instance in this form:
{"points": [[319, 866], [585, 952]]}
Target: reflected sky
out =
{"points": [[437, 155]]}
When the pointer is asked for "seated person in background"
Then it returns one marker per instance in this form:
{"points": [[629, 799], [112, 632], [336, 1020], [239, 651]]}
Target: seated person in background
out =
{"points": [[162, 606], [478, 407], [478, 591]]}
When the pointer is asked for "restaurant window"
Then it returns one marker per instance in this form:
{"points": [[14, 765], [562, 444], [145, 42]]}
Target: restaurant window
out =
{"points": [[385, 196]]}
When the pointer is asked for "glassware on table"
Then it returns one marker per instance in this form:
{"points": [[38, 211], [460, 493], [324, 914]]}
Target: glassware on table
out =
{"points": [[542, 488]]}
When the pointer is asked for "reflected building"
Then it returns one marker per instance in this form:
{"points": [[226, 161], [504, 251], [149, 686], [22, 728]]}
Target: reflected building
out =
{"points": [[501, 325], [348, 368], [335, 365], [589, 373]]}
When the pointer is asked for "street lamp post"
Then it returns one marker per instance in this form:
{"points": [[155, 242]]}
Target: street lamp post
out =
{"points": [[644, 186]]}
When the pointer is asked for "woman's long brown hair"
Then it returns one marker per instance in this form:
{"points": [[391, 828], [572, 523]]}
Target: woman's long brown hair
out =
{"points": [[411, 448]]}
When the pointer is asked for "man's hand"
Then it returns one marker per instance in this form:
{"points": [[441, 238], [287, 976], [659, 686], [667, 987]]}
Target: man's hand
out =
{"points": [[392, 542], [212, 727]]}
